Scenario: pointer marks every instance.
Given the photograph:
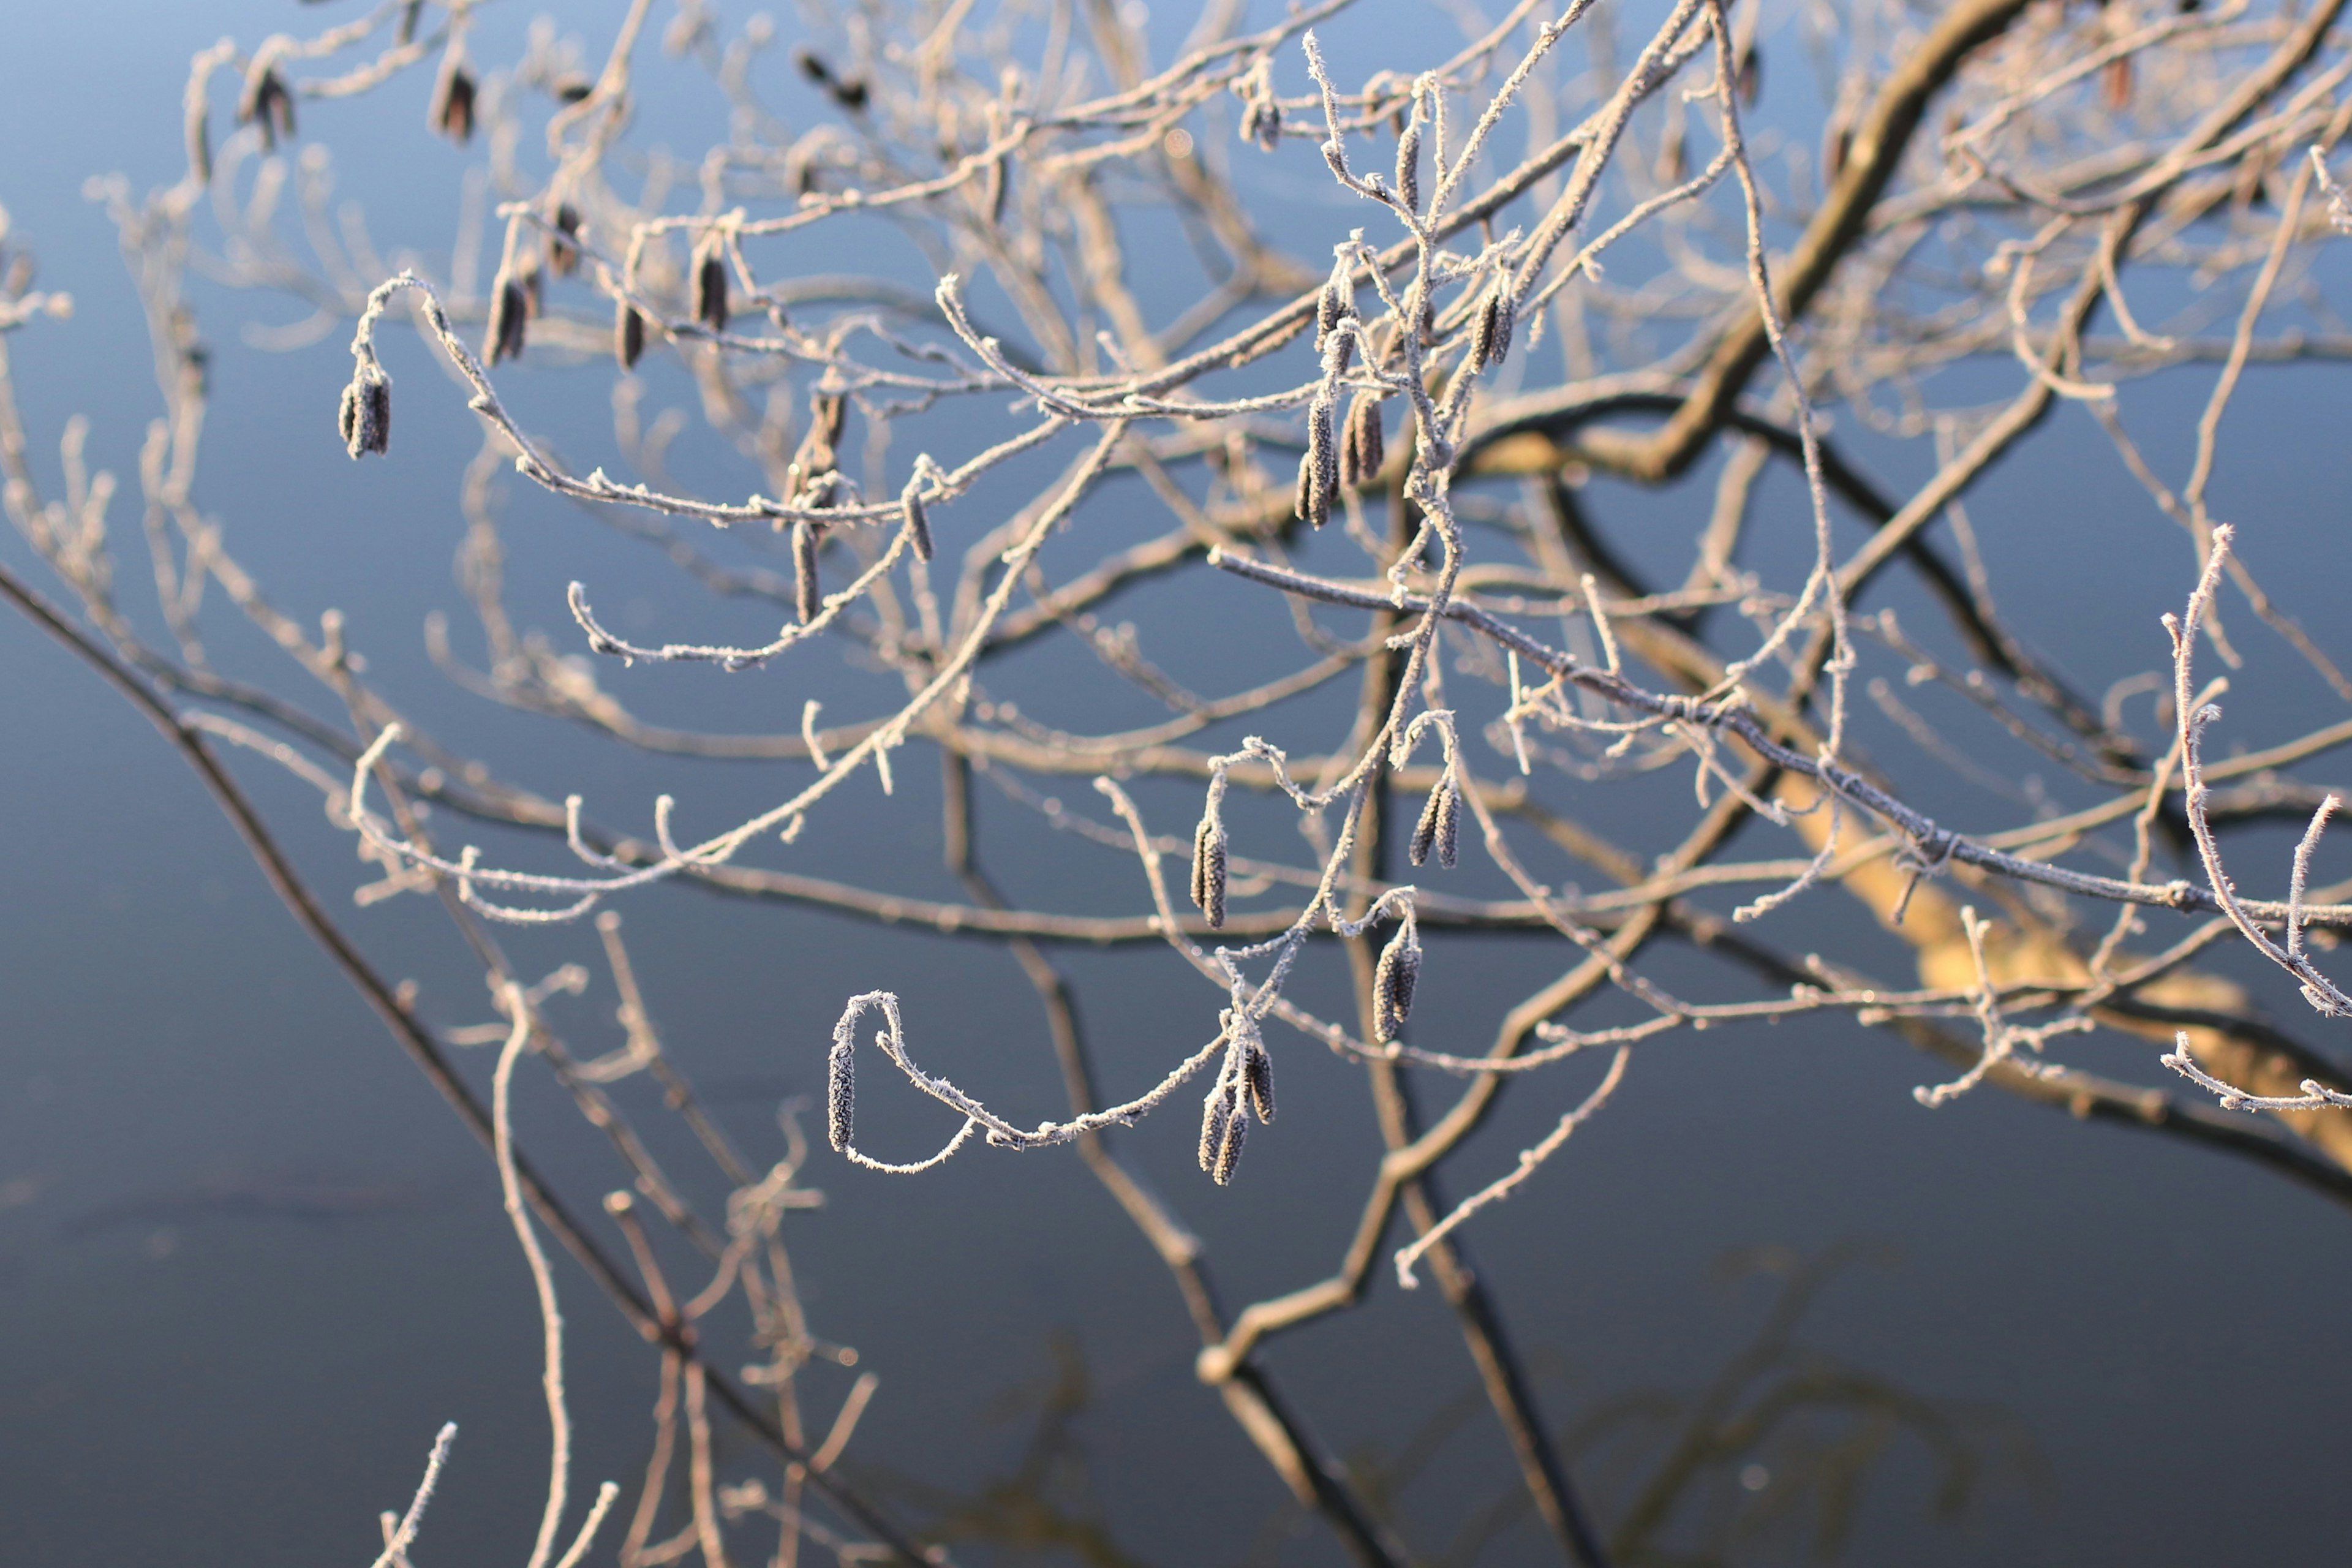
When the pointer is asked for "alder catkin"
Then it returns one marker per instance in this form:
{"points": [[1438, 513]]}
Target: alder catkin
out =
{"points": [[562, 246], [1209, 867], [1229, 1154], [1212, 1128], [2115, 84], [452, 112], [267, 104], [841, 1091], [1439, 827], [1483, 337], [1408, 165], [628, 334], [1323, 456], [1326, 313], [1257, 1076], [509, 316], [710, 285], [918, 526], [366, 416], [1393, 983], [805, 569], [1362, 449]]}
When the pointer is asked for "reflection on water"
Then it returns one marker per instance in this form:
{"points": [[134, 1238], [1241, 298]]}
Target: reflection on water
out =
{"points": [[1773, 1455], [305, 1200], [1046, 1507]]}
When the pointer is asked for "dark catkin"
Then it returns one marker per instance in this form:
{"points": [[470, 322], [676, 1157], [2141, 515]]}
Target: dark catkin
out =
{"points": [[1408, 166], [1323, 452], [805, 569], [710, 285], [366, 416], [1303, 502], [452, 113], [1212, 1129], [851, 94], [1229, 1156], [509, 318], [830, 413], [919, 525], [818, 455], [1440, 828], [562, 246], [628, 334], [840, 1092], [1343, 348], [1209, 867], [573, 89], [1505, 321], [1482, 335], [1000, 186], [268, 104], [1749, 81], [1371, 446], [1393, 983], [1262, 123], [1327, 307], [1223, 1126], [1257, 1076]]}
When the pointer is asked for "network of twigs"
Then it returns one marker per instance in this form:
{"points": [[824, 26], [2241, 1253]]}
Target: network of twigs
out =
{"points": [[1583, 246]]}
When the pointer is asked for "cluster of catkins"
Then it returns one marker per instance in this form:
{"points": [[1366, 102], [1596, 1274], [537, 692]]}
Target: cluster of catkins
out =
{"points": [[1248, 1072], [1328, 462], [1244, 1085]]}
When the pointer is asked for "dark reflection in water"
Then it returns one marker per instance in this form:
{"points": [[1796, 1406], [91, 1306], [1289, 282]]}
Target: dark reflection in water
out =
{"points": [[2097, 1347], [286, 1195], [1772, 1455]]}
